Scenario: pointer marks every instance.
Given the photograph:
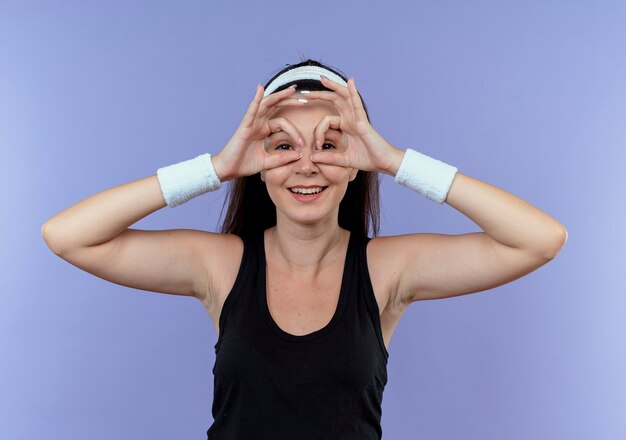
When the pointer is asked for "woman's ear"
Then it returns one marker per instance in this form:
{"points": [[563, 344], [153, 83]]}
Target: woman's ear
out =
{"points": [[353, 174]]}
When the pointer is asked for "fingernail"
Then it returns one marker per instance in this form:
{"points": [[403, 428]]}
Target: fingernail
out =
{"points": [[302, 100], [305, 91], [323, 76], [293, 86]]}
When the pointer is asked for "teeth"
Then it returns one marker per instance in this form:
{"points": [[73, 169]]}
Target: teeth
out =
{"points": [[306, 190]]}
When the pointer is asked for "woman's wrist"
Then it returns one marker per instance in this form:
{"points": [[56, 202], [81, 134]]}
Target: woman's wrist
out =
{"points": [[217, 166], [222, 171], [396, 159]]}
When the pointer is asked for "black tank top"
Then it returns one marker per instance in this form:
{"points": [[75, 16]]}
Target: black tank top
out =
{"points": [[273, 385]]}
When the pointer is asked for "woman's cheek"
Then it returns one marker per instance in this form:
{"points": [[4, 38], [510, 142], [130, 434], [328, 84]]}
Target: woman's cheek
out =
{"points": [[276, 174], [335, 174]]}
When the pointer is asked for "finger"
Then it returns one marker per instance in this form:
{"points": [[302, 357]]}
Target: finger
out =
{"points": [[253, 108], [357, 103], [331, 158], [342, 104], [268, 102], [335, 87], [277, 96], [287, 102], [282, 124], [326, 95], [291, 101], [278, 160], [332, 121]]}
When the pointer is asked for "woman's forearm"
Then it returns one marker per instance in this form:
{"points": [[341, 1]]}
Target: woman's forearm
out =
{"points": [[505, 217], [103, 216]]}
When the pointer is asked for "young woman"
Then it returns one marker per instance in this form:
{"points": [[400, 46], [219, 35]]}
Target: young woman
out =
{"points": [[303, 300]]}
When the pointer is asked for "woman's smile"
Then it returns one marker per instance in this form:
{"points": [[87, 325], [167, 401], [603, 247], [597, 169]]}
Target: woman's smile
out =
{"points": [[307, 193]]}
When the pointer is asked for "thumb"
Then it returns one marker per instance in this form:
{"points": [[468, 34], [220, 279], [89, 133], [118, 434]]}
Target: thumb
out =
{"points": [[278, 160]]}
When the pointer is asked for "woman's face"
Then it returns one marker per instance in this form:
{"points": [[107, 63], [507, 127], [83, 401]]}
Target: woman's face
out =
{"points": [[280, 181]]}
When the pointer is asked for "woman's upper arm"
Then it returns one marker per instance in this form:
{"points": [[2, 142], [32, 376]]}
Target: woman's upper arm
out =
{"points": [[174, 261], [436, 266]]}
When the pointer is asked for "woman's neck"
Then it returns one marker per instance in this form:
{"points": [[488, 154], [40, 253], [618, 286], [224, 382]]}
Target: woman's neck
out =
{"points": [[306, 251]]}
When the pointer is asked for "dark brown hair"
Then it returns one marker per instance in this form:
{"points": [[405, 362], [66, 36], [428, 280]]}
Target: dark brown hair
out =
{"points": [[251, 210]]}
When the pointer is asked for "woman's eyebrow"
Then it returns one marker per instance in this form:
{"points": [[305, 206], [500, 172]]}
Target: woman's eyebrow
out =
{"points": [[277, 133], [282, 132]]}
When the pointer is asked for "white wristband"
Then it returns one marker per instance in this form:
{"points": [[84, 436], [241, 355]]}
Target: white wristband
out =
{"points": [[185, 180], [430, 177]]}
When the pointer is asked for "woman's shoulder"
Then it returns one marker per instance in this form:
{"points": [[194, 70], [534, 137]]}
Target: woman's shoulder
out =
{"points": [[385, 262], [389, 250], [379, 247], [389, 241], [221, 256]]}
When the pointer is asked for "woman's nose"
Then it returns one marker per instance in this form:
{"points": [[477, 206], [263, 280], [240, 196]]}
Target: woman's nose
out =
{"points": [[305, 165]]}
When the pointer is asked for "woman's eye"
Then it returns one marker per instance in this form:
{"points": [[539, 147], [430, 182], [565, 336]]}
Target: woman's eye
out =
{"points": [[282, 145], [325, 146]]}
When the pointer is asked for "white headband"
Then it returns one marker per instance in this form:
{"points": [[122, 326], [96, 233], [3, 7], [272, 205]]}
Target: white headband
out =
{"points": [[302, 72]]}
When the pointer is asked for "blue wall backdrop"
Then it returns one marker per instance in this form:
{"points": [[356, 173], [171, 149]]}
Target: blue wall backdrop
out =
{"points": [[527, 96]]}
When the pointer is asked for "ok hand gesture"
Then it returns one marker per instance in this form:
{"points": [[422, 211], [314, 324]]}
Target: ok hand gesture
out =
{"points": [[244, 154], [365, 148]]}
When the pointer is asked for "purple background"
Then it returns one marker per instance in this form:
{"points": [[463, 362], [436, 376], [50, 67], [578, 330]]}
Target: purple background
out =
{"points": [[530, 97]]}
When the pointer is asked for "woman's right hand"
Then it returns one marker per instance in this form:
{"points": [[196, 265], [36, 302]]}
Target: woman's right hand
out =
{"points": [[245, 154]]}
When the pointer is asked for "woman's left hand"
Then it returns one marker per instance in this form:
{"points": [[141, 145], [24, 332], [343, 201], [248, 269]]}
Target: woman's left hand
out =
{"points": [[364, 148]]}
